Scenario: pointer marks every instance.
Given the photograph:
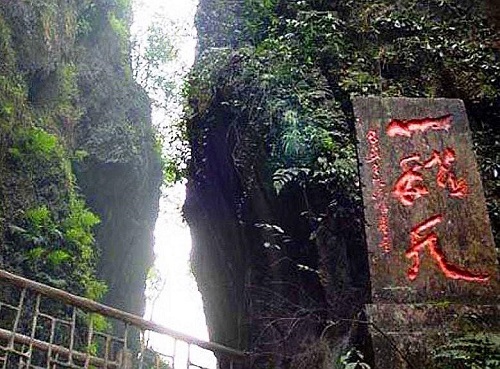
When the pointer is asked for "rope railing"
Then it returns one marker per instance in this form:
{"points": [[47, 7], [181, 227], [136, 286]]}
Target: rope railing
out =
{"points": [[45, 327]]}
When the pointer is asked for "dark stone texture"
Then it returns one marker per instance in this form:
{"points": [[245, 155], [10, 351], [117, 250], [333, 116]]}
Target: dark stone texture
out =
{"points": [[464, 234], [256, 297], [493, 11], [121, 178], [404, 336]]}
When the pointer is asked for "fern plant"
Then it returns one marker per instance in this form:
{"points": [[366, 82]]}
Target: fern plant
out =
{"points": [[469, 352]]}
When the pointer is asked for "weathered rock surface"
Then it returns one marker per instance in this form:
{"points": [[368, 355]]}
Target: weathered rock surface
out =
{"points": [[276, 218], [64, 68]]}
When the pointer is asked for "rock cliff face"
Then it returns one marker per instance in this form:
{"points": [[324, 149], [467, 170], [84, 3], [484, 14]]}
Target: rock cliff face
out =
{"points": [[272, 266], [273, 196], [75, 132]]}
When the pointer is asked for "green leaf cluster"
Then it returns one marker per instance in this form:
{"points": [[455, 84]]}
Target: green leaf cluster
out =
{"points": [[35, 144], [119, 27], [288, 84], [151, 55], [480, 351], [59, 252], [286, 112]]}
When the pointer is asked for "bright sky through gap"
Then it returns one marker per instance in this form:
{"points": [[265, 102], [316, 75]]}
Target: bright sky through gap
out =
{"points": [[179, 305]]}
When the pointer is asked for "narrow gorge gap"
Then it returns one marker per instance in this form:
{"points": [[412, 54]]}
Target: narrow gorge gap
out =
{"points": [[173, 299]]}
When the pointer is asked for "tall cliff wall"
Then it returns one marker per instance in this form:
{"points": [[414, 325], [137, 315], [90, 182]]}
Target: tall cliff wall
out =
{"points": [[79, 167], [273, 196]]}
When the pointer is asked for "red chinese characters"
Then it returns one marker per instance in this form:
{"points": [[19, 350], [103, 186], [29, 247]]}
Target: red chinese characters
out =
{"points": [[378, 196], [445, 176], [410, 187], [420, 240], [407, 128]]}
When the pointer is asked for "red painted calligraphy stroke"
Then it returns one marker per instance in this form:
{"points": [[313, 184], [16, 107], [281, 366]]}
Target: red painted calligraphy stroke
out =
{"points": [[420, 241], [378, 190], [407, 128]]}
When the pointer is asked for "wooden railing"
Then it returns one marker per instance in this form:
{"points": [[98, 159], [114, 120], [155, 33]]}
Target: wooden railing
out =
{"points": [[44, 327]]}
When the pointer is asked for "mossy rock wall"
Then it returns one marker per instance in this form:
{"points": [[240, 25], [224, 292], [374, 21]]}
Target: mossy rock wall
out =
{"points": [[76, 138], [273, 195]]}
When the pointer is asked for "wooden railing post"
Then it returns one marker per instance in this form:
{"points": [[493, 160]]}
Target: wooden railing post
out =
{"points": [[125, 359], [117, 354]]}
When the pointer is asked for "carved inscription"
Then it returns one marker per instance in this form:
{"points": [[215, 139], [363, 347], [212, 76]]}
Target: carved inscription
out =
{"points": [[378, 195], [427, 229], [410, 186]]}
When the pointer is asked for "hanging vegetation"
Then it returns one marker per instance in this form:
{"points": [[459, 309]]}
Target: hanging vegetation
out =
{"points": [[274, 188]]}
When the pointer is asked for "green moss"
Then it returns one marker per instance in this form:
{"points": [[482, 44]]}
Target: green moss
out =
{"points": [[52, 242], [119, 27], [13, 91], [37, 144], [123, 8], [59, 250], [8, 58], [67, 87], [12, 99], [54, 239], [73, 63]]}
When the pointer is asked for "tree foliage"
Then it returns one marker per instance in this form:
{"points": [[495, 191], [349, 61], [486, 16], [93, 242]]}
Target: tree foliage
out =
{"points": [[299, 62], [276, 82], [152, 53], [46, 229]]}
